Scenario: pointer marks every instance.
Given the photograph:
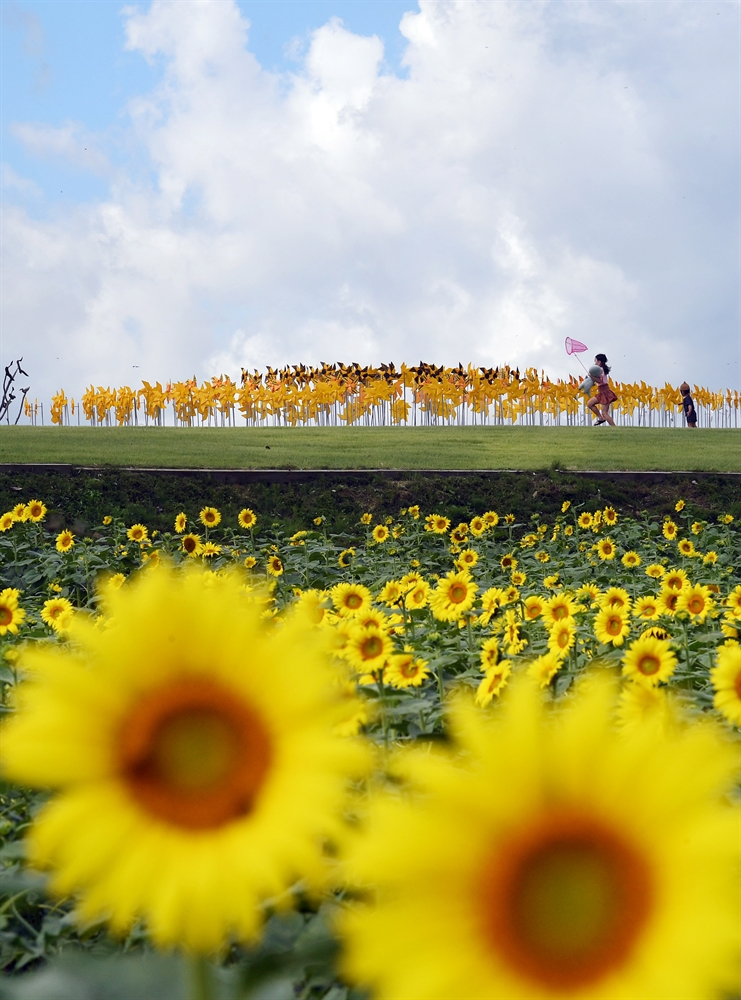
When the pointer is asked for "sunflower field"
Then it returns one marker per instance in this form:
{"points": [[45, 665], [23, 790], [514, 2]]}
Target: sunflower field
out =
{"points": [[418, 759]]}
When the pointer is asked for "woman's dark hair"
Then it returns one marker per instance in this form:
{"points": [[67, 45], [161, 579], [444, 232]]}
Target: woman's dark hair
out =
{"points": [[602, 359]]}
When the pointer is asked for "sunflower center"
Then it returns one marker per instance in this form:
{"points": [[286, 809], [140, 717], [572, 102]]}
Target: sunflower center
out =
{"points": [[458, 593], [614, 626], [696, 605], [565, 903], [6, 615], [193, 754], [649, 665], [560, 612], [563, 638], [409, 668], [353, 601], [372, 647], [737, 684]]}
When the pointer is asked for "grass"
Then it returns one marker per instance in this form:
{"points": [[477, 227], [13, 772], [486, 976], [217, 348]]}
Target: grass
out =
{"points": [[531, 448]]}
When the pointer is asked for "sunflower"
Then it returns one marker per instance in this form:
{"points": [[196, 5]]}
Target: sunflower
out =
{"points": [[247, 519], [437, 524], [729, 626], [508, 518], [631, 560], [107, 520], [367, 650], [687, 548], [366, 518], [514, 640], [181, 522], [460, 534], [494, 681], [489, 654], [454, 595], [19, 512], [210, 549], [345, 558], [491, 519], [511, 594], [726, 518], [585, 520], [610, 516], [562, 637], [519, 578], [649, 661], [372, 617], [565, 506], [137, 533], [533, 607], [551, 582], [611, 627], [710, 558], [669, 530], [668, 601], [467, 559], [491, 601], [191, 544], [590, 591], [544, 668], [418, 596], [646, 607], [403, 670], [210, 517], [391, 593], [7, 521], [351, 598], [733, 602], [65, 541], [477, 526], [57, 612], [615, 598], [274, 566], [414, 511], [550, 878], [675, 579], [558, 608], [655, 571], [193, 756], [35, 511], [542, 556], [11, 615], [641, 705], [606, 549], [508, 562], [726, 678], [380, 533], [696, 601]]}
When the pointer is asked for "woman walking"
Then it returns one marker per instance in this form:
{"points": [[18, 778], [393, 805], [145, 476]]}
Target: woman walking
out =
{"points": [[605, 396]]}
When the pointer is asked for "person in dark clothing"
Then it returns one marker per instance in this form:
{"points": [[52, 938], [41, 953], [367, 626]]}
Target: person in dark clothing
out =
{"points": [[688, 405]]}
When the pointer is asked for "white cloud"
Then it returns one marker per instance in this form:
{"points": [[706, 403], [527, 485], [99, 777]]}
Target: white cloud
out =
{"points": [[70, 142], [542, 170]]}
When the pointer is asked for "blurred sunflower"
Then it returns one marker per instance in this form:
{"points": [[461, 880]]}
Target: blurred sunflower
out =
{"points": [[7, 521], [668, 601], [193, 758], [478, 526], [610, 516], [210, 549], [533, 607], [544, 668], [494, 681], [367, 650], [467, 559], [181, 522], [669, 530], [274, 566], [606, 549], [391, 593], [646, 607], [345, 558], [562, 636], [491, 519], [437, 524], [137, 533], [615, 598], [675, 579], [380, 533], [558, 608], [631, 560], [687, 548], [418, 596], [726, 678], [585, 520], [655, 571], [20, 513], [550, 878], [11, 616]]}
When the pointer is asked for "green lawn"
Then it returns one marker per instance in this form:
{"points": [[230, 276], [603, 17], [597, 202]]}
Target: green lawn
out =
{"points": [[382, 448]]}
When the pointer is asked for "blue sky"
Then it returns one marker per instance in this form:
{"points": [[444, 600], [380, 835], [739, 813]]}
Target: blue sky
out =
{"points": [[194, 186]]}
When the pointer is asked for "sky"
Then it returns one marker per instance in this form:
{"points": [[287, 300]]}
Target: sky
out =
{"points": [[190, 187]]}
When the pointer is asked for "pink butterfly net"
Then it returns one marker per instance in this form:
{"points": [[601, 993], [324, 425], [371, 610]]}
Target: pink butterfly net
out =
{"points": [[575, 346]]}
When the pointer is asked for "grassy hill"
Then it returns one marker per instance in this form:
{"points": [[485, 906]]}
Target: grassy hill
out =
{"points": [[531, 448]]}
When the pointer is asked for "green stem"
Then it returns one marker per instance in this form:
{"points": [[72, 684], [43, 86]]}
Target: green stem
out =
{"points": [[201, 981]]}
